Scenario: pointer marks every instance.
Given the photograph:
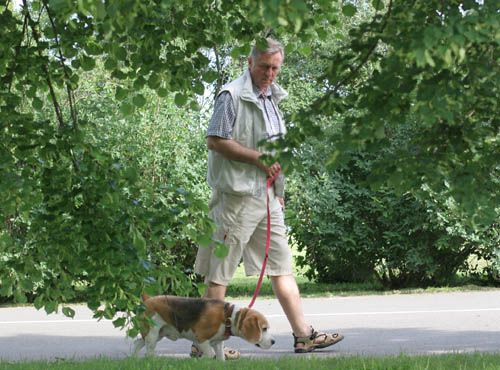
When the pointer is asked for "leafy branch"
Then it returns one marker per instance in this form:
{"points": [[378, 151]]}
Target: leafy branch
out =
{"points": [[366, 58], [45, 67], [71, 95], [11, 72]]}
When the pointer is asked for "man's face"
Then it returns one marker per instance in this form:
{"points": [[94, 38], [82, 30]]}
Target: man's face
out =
{"points": [[264, 69]]}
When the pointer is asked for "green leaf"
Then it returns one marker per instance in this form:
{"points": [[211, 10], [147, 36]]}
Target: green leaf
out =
{"points": [[121, 93], [198, 88], [139, 101], [87, 63], [133, 332], [37, 103], [306, 51], [205, 241], [120, 322], [210, 76], [349, 10], [221, 250], [162, 92], [139, 82], [154, 81], [139, 241], [127, 109], [180, 99], [380, 132], [100, 10], [6, 287], [20, 297], [378, 4], [35, 6], [50, 307], [110, 64], [68, 312], [119, 52]]}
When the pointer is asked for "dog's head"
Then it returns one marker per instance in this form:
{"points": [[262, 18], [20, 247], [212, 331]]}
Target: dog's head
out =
{"points": [[254, 327]]}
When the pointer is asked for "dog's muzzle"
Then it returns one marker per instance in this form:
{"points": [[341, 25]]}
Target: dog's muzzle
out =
{"points": [[272, 343]]}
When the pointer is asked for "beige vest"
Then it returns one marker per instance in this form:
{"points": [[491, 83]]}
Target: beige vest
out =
{"points": [[249, 129]]}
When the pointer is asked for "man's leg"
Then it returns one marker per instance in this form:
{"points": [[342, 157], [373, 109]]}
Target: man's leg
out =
{"points": [[215, 291], [286, 290], [306, 339]]}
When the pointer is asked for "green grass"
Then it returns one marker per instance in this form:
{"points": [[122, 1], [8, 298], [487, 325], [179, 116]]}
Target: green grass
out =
{"points": [[435, 362], [243, 287]]}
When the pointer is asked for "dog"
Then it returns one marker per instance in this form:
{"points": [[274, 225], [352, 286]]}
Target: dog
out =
{"points": [[205, 322]]}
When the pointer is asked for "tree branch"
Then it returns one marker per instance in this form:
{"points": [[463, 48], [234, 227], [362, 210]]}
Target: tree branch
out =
{"points": [[10, 74], [71, 98], [46, 70], [366, 57], [220, 73]]}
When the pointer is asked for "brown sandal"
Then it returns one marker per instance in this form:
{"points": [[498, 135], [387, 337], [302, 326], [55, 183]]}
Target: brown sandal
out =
{"points": [[229, 353], [315, 340]]}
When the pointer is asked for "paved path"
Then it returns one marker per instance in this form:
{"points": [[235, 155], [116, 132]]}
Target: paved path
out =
{"points": [[372, 325]]}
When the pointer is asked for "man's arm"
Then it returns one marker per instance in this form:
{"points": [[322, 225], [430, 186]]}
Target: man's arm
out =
{"points": [[231, 149]]}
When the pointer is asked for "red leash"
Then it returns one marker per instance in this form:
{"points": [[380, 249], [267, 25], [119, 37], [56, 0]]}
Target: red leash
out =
{"points": [[270, 182]]}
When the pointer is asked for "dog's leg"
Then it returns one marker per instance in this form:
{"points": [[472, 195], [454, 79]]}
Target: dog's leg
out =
{"points": [[138, 344], [151, 339], [206, 348], [219, 351]]}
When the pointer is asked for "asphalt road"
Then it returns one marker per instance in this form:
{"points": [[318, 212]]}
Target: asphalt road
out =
{"points": [[373, 325]]}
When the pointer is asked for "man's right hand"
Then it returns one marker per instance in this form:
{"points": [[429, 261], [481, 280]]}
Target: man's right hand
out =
{"points": [[233, 150]]}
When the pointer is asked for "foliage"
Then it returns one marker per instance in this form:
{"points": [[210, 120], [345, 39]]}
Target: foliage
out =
{"points": [[429, 62], [352, 233], [354, 225], [86, 204], [167, 146]]}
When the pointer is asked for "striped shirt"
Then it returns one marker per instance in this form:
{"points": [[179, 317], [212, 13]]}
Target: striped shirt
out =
{"points": [[224, 115]]}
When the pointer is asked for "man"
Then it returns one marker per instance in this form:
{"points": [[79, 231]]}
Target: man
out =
{"points": [[246, 112]]}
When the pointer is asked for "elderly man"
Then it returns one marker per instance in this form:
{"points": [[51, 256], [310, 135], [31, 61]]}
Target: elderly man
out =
{"points": [[246, 112]]}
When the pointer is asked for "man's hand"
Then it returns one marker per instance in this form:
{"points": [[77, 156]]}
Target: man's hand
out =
{"points": [[282, 202], [271, 171], [233, 150]]}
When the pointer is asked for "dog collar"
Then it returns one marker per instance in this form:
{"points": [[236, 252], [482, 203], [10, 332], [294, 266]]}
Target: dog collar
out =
{"points": [[228, 313]]}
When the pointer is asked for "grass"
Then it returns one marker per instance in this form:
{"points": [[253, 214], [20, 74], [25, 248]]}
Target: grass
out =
{"points": [[434, 362], [243, 287]]}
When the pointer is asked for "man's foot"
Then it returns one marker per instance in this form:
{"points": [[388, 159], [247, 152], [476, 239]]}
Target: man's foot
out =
{"points": [[229, 353], [315, 340]]}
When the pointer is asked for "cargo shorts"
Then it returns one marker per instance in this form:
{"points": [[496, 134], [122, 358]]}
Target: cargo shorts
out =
{"points": [[241, 224]]}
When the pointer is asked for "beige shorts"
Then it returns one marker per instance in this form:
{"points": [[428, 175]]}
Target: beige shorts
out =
{"points": [[242, 225]]}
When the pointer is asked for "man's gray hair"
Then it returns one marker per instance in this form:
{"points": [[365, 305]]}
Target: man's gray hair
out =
{"points": [[273, 47]]}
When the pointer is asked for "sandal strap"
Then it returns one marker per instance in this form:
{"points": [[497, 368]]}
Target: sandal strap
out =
{"points": [[306, 339]]}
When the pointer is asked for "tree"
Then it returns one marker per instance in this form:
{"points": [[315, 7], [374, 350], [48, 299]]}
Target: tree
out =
{"points": [[431, 66], [74, 215]]}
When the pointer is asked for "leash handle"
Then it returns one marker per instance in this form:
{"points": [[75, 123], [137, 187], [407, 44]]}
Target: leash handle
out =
{"points": [[270, 182]]}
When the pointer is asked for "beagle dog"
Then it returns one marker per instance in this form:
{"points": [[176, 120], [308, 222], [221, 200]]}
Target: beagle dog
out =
{"points": [[206, 322]]}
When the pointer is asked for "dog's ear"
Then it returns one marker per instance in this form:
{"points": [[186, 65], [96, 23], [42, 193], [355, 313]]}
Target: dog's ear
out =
{"points": [[251, 329], [145, 297]]}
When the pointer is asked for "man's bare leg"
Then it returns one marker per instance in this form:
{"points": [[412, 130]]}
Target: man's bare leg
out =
{"points": [[215, 291], [286, 290]]}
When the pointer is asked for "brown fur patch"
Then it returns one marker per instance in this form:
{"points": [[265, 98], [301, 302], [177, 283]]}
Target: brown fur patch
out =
{"points": [[200, 315]]}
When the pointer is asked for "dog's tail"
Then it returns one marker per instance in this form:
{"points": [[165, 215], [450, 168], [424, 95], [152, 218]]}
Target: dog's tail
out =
{"points": [[145, 297]]}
